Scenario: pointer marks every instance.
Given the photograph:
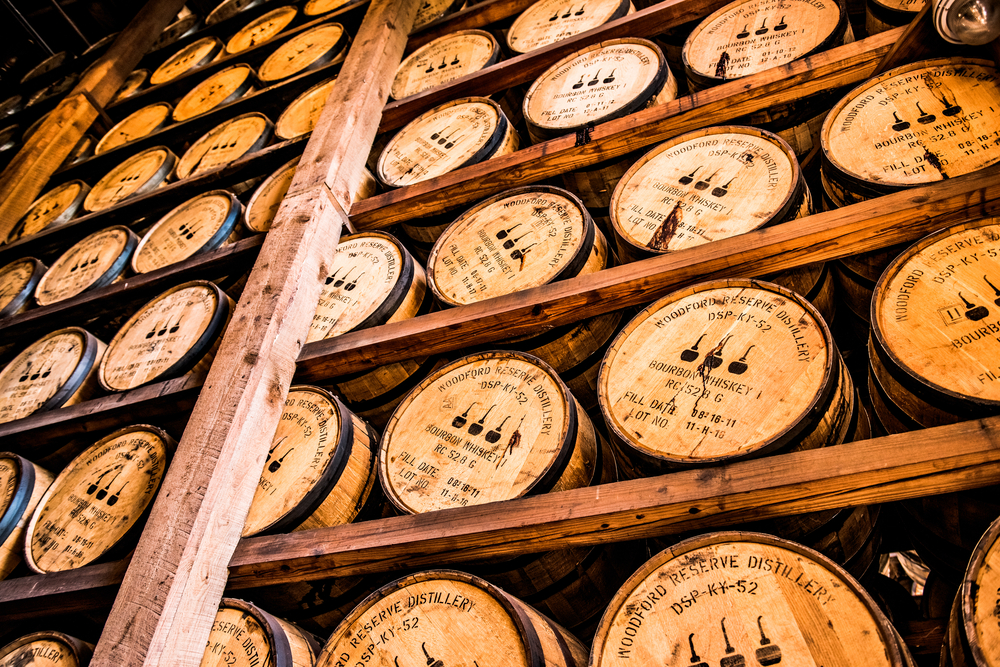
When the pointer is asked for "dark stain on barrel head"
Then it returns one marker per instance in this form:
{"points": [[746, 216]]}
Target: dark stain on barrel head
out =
{"points": [[934, 161], [720, 67], [666, 230]]}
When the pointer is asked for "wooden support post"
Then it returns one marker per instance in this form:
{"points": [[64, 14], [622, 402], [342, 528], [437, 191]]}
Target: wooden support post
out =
{"points": [[171, 591]]}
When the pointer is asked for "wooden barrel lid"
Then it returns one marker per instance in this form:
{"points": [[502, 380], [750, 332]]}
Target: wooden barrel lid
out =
{"points": [[102, 44], [34, 127], [459, 53], [57, 88], [934, 314], [83, 150], [891, 134], [569, 94], [53, 209], [317, 7], [47, 373], [98, 500], [306, 51], [513, 241], [261, 29], [736, 599], [978, 599], [487, 427], [46, 66], [221, 88], [747, 36], [301, 115], [244, 635], [139, 174], [549, 21], [450, 136], [371, 278], [198, 225], [902, 7], [11, 105], [705, 185], [442, 617], [227, 9], [167, 337], [226, 143], [133, 82], [46, 649], [9, 137], [94, 262], [192, 56], [18, 281], [308, 456], [775, 360], [145, 121], [266, 199], [431, 10], [185, 25]]}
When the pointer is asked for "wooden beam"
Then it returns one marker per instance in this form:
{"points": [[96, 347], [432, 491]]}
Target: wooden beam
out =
{"points": [[919, 40], [29, 171], [171, 591], [897, 218], [843, 66], [74, 591]]}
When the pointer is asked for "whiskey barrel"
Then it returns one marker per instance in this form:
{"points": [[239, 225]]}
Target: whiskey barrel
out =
{"points": [[51, 649], [244, 635], [721, 371], [139, 174], [83, 150], [57, 370], [460, 53], [176, 333], [132, 84], [220, 88], [703, 186], [887, 135], [227, 9], [444, 617], [183, 26], [320, 7], [374, 395], [11, 105], [18, 281], [9, 140], [57, 88], [549, 21], [261, 29], [449, 442], [301, 115], [738, 598], [48, 65], [194, 55], [453, 135], [883, 15], [146, 120], [266, 199], [307, 51], [199, 225], [53, 209], [972, 639], [225, 143], [97, 505], [96, 261], [22, 484], [432, 10], [318, 606]]}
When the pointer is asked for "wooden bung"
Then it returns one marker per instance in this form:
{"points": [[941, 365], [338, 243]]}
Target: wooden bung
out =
{"points": [[459, 53], [136, 125], [735, 599], [888, 134], [139, 174], [307, 51], [202, 224], [132, 84], [97, 505], [182, 27], [301, 115], [722, 371], [174, 334], [18, 281], [220, 88], [443, 617], [549, 21], [261, 29], [320, 470], [192, 56], [57, 370], [46, 649], [488, 427], [22, 484], [53, 209], [883, 15], [227, 9], [453, 135], [226, 143], [431, 10], [244, 635], [96, 261]]}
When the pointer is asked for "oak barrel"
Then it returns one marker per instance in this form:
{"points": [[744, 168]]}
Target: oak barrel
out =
{"points": [[461, 53], [444, 617], [137, 175], [227, 9], [432, 10], [301, 115], [192, 56], [226, 143], [18, 281], [22, 484], [95, 261], [136, 125], [317, 606], [199, 225], [244, 635], [261, 29], [973, 639], [132, 84], [319, 7], [53, 209], [181, 27], [883, 15], [174, 334], [549, 21], [96, 507], [309, 50], [50, 64], [220, 88], [54, 648]]}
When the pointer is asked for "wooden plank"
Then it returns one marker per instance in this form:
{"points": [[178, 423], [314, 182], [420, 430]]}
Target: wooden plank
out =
{"points": [[920, 463], [479, 15], [919, 40], [81, 590], [28, 172], [843, 66], [171, 591], [896, 218]]}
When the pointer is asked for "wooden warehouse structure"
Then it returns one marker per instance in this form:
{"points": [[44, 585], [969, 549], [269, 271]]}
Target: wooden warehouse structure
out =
{"points": [[190, 553]]}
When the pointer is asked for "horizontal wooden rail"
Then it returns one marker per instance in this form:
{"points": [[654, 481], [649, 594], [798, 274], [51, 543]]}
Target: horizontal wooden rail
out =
{"points": [[75, 591], [897, 218], [843, 66]]}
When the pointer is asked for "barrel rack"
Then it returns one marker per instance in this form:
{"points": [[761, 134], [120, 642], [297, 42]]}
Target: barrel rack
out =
{"points": [[164, 600]]}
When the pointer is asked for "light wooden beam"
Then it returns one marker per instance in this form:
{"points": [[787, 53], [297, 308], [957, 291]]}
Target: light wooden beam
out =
{"points": [[171, 591]]}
